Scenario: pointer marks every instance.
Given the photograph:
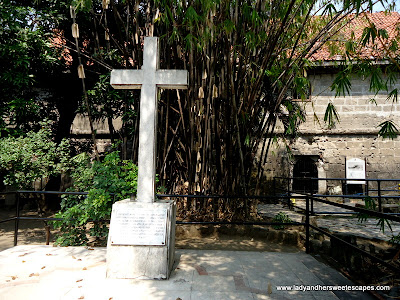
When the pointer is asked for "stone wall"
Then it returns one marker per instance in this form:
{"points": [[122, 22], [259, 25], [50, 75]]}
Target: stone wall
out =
{"points": [[355, 136], [357, 113], [80, 130]]}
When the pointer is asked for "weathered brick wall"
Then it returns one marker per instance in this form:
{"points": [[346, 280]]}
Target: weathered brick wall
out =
{"points": [[81, 125], [357, 113], [356, 136], [80, 129]]}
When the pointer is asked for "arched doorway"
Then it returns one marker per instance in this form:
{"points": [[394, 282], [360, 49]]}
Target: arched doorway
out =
{"points": [[304, 168]]}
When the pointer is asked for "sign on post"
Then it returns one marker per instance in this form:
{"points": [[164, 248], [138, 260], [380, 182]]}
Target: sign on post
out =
{"points": [[355, 169]]}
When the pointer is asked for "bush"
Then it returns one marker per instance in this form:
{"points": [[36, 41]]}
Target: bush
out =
{"points": [[281, 218], [106, 182], [34, 156]]}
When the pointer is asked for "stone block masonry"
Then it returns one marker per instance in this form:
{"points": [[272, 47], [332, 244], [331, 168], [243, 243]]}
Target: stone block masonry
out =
{"points": [[355, 136]]}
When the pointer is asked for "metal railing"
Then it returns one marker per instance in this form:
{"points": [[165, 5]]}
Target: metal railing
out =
{"points": [[311, 197], [369, 192], [18, 217], [278, 198], [372, 213]]}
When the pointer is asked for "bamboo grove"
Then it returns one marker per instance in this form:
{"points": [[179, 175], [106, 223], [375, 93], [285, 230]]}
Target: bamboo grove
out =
{"points": [[244, 58]]}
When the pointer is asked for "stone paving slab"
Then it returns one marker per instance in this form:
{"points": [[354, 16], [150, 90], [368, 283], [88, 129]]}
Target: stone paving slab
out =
{"points": [[46, 272], [335, 223], [271, 210]]}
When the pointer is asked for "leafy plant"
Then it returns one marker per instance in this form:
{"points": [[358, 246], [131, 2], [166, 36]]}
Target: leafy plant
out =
{"points": [[243, 57], [281, 218], [26, 57], [341, 84], [395, 239], [331, 115], [108, 181], [107, 103], [388, 129], [30, 157], [371, 205]]}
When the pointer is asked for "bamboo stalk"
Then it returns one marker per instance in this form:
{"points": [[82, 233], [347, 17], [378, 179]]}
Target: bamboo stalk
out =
{"points": [[86, 99]]}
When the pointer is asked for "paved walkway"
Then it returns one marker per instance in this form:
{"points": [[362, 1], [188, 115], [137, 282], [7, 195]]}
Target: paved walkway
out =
{"points": [[335, 223], [45, 272]]}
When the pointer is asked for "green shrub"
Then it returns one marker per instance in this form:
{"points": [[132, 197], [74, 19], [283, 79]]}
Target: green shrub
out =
{"points": [[33, 156], [281, 218], [106, 182], [371, 205]]}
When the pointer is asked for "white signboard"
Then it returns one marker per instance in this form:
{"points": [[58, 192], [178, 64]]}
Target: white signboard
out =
{"points": [[355, 169], [139, 226]]}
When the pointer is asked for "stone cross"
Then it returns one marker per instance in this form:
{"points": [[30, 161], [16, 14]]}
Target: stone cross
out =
{"points": [[148, 79]]}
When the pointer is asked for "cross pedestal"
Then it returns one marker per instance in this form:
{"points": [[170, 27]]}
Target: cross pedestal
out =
{"points": [[141, 241]]}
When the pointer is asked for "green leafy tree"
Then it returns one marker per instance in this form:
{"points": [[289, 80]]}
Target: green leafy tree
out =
{"points": [[25, 159], [37, 73], [25, 51], [108, 181]]}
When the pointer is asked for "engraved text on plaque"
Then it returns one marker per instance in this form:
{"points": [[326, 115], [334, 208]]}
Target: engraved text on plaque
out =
{"points": [[139, 227]]}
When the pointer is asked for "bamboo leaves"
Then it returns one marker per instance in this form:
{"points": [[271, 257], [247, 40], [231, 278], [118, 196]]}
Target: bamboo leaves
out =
{"points": [[82, 5], [388, 129], [331, 116], [376, 81], [191, 18], [393, 95], [229, 26], [341, 84], [329, 10], [371, 33]]}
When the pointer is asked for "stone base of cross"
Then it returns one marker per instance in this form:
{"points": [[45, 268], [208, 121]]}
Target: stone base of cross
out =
{"points": [[141, 240]]}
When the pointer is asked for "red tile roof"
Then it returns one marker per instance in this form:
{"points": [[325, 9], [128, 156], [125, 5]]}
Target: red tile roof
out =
{"points": [[59, 41], [377, 50]]}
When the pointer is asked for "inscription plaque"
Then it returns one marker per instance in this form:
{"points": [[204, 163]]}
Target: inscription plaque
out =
{"points": [[355, 169], [139, 226]]}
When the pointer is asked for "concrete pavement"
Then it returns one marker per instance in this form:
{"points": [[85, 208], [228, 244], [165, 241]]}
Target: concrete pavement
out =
{"points": [[46, 272]]}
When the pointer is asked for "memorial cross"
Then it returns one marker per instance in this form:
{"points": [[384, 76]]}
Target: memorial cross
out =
{"points": [[148, 79]]}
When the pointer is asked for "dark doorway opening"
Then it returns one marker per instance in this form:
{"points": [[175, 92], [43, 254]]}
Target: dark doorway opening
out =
{"points": [[304, 169]]}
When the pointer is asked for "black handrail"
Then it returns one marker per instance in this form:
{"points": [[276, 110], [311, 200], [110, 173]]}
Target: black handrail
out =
{"points": [[373, 257], [379, 189], [307, 224], [334, 178], [317, 197], [17, 218]]}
